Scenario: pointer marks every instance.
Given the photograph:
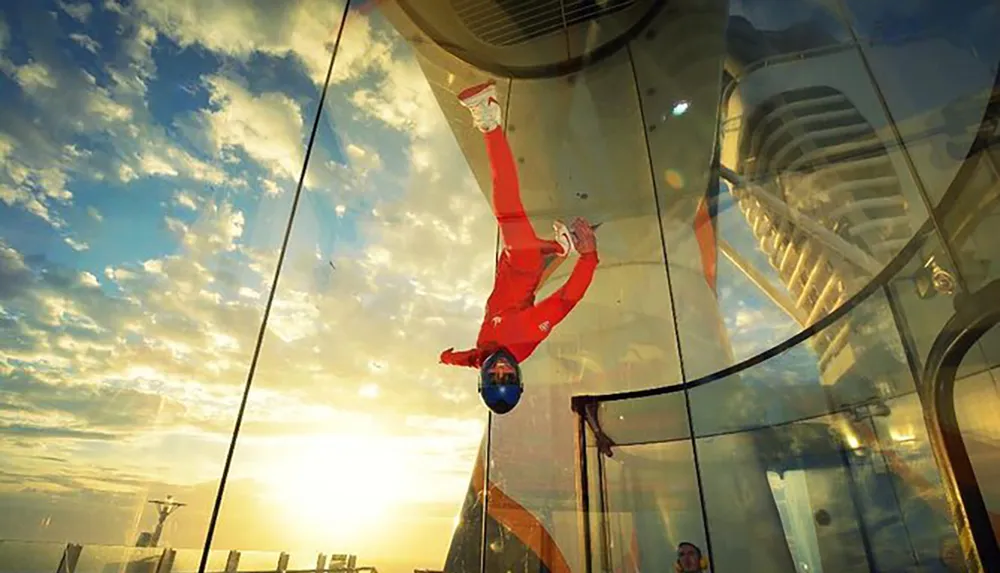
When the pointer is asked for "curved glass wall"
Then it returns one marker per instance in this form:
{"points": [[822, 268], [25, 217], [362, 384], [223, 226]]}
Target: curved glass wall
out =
{"points": [[237, 237]]}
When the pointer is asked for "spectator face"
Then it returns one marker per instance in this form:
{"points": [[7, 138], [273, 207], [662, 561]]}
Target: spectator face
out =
{"points": [[688, 557]]}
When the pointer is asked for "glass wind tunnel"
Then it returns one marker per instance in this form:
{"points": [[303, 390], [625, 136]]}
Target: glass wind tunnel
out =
{"points": [[236, 236], [743, 159]]}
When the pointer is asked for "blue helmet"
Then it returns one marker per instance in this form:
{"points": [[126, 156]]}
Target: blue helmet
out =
{"points": [[500, 382]]}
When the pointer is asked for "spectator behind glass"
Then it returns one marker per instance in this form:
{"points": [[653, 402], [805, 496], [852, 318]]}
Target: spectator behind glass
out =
{"points": [[689, 559]]}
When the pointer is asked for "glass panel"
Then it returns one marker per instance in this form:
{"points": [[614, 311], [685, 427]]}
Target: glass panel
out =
{"points": [[856, 359], [757, 309], [657, 418], [259, 561], [829, 458], [355, 437], [736, 489], [899, 451], [188, 560], [871, 508], [766, 30], [652, 506], [920, 299], [103, 559], [599, 552], [465, 550], [934, 67], [828, 193], [968, 217], [678, 66], [302, 561], [147, 157], [30, 557], [619, 337]]}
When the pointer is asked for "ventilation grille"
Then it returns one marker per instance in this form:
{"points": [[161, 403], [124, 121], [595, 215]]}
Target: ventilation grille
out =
{"points": [[510, 22], [815, 152]]}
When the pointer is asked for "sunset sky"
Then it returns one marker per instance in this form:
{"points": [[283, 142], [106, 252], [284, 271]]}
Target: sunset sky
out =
{"points": [[150, 151]]}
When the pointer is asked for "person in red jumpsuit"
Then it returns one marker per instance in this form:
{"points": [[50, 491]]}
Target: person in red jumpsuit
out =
{"points": [[514, 323]]}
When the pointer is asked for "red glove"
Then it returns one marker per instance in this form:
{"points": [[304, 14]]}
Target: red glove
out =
{"points": [[463, 358], [447, 356]]}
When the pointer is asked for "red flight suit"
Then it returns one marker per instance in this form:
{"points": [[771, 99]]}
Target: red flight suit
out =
{"points": [[512, 319]]}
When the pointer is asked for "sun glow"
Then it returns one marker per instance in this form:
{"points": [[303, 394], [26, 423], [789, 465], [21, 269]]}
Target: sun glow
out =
{"points": [[340, 485]]}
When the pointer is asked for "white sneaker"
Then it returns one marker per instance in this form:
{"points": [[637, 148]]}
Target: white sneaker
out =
{"points": [[482, 101], [565, 238]]}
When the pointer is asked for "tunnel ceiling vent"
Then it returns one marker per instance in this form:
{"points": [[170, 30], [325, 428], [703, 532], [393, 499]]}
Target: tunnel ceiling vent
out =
{"points": [[505, 23]]}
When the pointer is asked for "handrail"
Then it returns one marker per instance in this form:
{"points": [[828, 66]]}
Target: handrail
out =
{"points": [[975, 315]]}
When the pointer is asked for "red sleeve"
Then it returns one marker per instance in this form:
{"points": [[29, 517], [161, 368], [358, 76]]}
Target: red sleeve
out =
{"points": [[556, 306], [469, 358]]}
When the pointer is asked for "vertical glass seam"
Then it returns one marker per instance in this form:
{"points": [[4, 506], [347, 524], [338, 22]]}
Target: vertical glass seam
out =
{"points": [[227, 465], [670, 293], [489, 414]]}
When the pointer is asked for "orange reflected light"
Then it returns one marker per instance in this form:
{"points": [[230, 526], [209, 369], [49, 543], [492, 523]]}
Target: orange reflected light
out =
{"points": [[674, 178], [852, 440], [902, 435]]}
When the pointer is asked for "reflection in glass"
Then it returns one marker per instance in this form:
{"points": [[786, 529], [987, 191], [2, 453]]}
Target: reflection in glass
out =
{"points": [[935, 68]]}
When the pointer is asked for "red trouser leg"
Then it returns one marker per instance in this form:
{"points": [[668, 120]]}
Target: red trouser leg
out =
{"points": [[515, 228], [520, 267]]}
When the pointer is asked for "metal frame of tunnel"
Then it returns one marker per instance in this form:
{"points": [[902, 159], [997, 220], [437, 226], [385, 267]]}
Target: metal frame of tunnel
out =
{"points": [[975, 314]]}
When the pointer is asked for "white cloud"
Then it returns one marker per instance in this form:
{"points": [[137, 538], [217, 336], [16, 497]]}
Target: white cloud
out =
{"points": [[186, 200], [17, 196], [80, 12], [34, 76], [88, 279], [76, 245], [304, 29], [248, 292], [6, 146], [268, 127], [216, 230], [86, 42], [271, 188], [363, 159]]}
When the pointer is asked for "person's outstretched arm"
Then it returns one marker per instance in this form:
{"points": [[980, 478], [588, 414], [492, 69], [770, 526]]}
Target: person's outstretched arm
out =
{"points": [[556, 306], [470, 358]]}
